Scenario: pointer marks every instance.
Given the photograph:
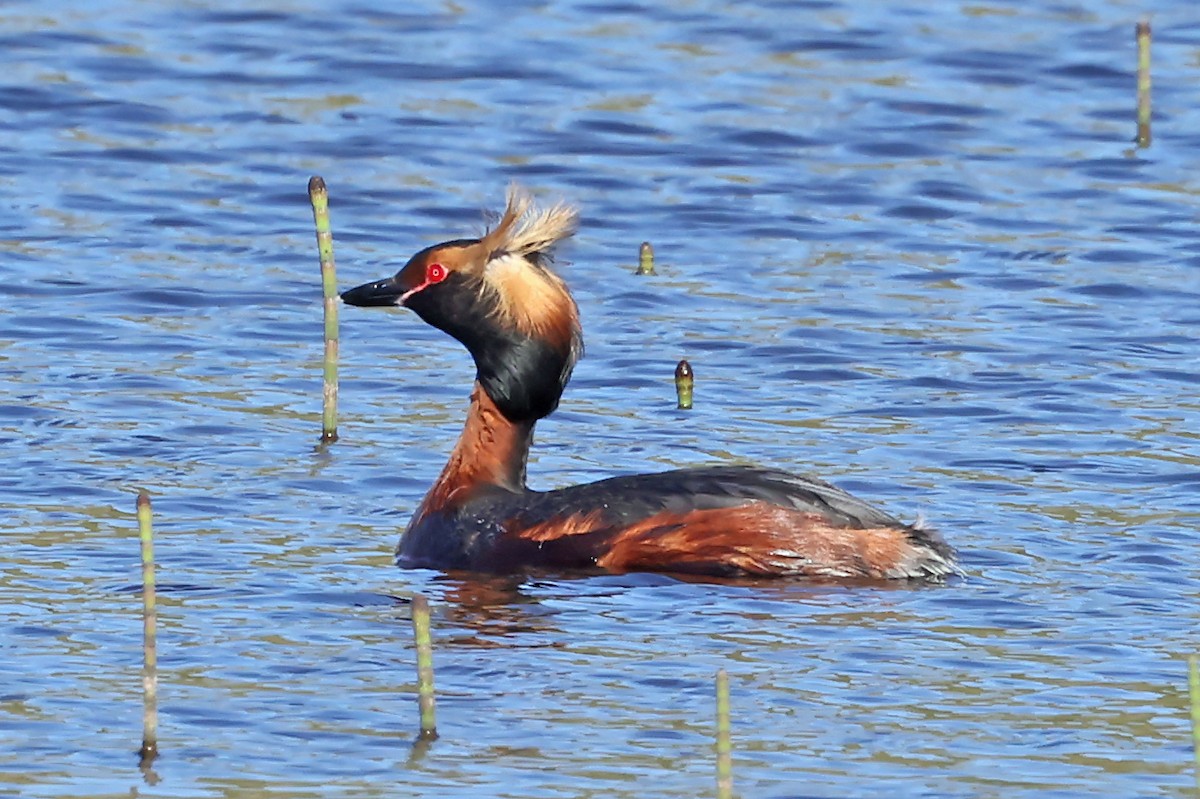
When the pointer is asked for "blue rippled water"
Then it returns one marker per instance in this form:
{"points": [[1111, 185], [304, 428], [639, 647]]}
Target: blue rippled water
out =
{"points": [[908, 246]]}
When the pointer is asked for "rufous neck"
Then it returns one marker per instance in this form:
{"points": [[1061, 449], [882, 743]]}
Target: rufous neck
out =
{"points": [[492, 450]]}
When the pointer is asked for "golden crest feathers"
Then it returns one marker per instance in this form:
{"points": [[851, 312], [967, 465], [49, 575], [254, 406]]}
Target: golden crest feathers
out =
{"points": [[526, 230], [512, 261]]}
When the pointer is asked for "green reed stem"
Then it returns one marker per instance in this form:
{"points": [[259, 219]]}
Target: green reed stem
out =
{"points": [[149, 634], [1143, 83], [724, 742], [645, 259], [685, 382], [319, 196], [425, 700], [1194, 694]]}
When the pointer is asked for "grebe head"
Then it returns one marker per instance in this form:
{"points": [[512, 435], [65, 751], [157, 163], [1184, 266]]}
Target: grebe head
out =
{"points": [[497, 295]]}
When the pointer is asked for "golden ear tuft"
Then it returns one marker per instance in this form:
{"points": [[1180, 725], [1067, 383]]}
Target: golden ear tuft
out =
{"points": [[512, 262], [527, 231]]}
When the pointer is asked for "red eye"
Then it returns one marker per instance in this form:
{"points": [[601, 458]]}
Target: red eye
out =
{"points": [[435, 273]]}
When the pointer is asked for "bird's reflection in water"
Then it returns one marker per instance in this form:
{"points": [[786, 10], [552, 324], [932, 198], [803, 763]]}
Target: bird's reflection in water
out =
{"points": [[494, 610]]}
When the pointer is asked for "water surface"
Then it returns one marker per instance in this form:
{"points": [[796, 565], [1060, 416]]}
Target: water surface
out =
{"points": [[907, 246]]}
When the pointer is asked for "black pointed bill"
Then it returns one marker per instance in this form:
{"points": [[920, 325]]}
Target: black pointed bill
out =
{"points": [[379, 293]]}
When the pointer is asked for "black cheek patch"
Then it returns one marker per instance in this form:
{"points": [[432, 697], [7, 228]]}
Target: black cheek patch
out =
{"points": [[524, 376]]}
